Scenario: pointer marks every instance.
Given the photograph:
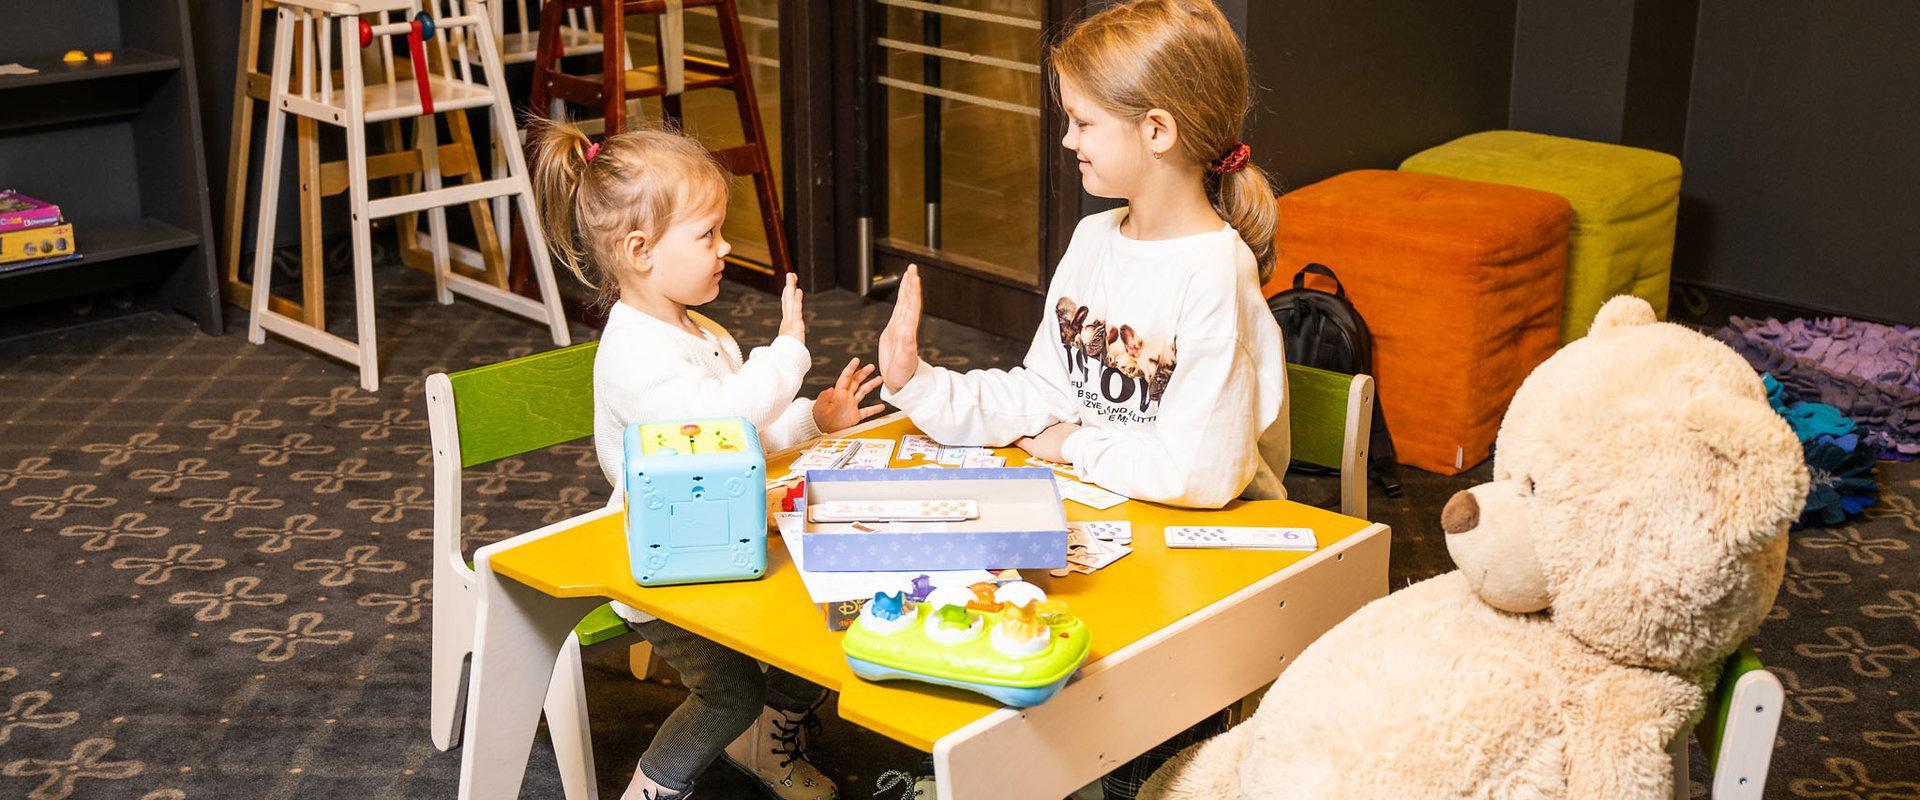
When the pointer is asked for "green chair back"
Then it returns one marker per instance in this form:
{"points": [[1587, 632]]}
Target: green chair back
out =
{"points": [[525, 404], [1317, 401]]}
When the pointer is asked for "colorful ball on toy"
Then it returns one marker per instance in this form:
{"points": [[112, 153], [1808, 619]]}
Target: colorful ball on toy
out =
{"points": [[426, 25], [366, 33]]}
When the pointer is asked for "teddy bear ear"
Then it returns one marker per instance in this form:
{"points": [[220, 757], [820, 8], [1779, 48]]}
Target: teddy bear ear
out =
{"points": [[1622, 311], [1759, 449]]}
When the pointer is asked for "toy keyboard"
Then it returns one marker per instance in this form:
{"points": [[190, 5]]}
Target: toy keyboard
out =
{"points": [[1008, 642], [696, 502]]}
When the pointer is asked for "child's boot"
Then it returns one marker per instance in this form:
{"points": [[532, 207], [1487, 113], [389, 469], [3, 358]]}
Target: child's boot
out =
{"points": [[774, 750]]}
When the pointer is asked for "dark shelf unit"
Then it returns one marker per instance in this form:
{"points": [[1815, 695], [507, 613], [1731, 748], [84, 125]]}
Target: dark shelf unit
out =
{"points": [[116, 145]]}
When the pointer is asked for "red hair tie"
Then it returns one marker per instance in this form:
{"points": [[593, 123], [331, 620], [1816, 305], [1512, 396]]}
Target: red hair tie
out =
{"points": [[593, 150], [1234, 161]]}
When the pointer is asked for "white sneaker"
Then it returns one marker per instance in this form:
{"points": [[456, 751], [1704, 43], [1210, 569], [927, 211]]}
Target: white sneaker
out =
{"points": [[774, 749]]}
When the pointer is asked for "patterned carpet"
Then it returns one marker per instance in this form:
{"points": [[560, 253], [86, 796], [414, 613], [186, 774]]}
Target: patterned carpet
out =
{"points": [[216, 583]]}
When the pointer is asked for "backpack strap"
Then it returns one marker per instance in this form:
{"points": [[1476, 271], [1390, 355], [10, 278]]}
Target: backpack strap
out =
{"points": [[1322, 270]]}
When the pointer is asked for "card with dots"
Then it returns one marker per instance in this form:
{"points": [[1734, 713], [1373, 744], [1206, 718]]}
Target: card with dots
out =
{"points": [[1241, 537]]}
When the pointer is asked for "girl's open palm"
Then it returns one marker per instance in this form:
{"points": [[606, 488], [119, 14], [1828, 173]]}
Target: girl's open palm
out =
{"points": [[838, 407], [900, 342]]}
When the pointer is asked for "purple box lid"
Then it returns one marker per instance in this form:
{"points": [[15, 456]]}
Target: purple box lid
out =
{"points": [[19, 212]]}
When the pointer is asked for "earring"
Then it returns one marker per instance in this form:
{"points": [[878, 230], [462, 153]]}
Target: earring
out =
{"points": [[1157, 154]]}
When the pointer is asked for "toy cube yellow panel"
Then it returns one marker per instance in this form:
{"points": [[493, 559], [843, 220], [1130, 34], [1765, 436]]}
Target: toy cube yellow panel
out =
{"points": [[1624, 199]]}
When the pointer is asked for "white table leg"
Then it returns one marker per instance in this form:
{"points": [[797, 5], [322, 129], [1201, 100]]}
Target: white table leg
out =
{"points": [[518, 635], [1135, 698]]}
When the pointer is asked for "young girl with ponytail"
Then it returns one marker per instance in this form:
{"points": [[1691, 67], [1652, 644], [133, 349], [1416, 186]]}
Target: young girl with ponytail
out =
{"points": [[1160, 374], [638, 217]]}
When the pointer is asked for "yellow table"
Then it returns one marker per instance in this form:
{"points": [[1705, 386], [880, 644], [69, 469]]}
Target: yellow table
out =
{"points": [[1176, 635]]}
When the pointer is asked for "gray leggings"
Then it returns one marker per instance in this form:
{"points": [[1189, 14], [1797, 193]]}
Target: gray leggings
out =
{"points": [[727, 691]]}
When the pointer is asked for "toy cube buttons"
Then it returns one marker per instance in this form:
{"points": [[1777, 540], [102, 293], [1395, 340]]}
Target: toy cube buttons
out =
{"points": [[696, 506]]}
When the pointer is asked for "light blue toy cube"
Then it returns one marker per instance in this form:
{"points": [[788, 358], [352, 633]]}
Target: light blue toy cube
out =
{"points": [[696, 501]]}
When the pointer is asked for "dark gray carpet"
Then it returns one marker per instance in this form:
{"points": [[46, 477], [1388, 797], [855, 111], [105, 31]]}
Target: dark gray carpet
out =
{"points": [[216, 574]]}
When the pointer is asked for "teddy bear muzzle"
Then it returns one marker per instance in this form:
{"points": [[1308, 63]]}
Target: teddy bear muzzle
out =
{"points": [[1461, 514]]}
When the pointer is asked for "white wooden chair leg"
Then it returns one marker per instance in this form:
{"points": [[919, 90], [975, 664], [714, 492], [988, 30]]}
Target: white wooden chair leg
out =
{"points": [[501, 229], [566, 710], [518, 639], [367, 347], [529, 215], [453, 622], [270, 176], [428, 139]]}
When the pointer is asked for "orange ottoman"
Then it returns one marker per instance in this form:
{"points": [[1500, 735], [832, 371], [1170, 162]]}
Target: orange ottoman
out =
{"points": [[1460, 282]]}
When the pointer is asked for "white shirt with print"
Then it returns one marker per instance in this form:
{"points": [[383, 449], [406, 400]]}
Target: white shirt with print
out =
{"points": [[1163, 350]]}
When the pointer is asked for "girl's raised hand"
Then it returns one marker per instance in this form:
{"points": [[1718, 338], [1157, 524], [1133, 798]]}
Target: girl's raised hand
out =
{"points": [[838, 407], [900, 342], [792, 321]]}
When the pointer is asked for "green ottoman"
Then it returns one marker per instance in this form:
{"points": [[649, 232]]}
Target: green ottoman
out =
{"points": [[1624, 202]]}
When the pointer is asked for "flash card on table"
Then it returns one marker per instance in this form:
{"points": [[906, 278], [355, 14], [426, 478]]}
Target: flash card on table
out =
{"points": [[956, 456], [1251, 538], [987, 459], [1116, 531], [1087, 494], [827, 454], [1052, 465], [1097, 555], [916, 445], [873, 454]]}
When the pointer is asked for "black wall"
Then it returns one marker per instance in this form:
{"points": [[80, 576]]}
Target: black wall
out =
{"points": [[1803, 155], [1362, 85]]}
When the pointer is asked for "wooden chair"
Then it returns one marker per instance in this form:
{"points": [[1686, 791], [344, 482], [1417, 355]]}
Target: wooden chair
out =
{"points": [[1330, 415], [676, 73], [477, 416], [359, 103], [1737, 731]]}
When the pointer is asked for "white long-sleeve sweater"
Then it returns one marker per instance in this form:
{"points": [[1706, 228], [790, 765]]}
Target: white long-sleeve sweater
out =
{"points": [[1163, 350], [647, 369]]}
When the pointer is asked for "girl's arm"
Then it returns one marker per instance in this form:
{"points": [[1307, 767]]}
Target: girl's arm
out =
{"points": [[1204, 448], [990, 407], [762, 391], [983, 407]]}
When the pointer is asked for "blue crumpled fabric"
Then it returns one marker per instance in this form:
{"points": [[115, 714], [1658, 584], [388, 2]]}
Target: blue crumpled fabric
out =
{"points": [[1809, 420], [1841, 484]]}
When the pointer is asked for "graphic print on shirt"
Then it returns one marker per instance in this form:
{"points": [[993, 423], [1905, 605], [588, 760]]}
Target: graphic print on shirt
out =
{"points": [[1115, 370]]}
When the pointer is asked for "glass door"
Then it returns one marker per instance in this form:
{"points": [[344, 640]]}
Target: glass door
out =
{"points": [[964, 174]]}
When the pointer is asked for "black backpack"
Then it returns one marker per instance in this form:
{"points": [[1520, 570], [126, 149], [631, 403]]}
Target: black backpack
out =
{"points": [[1325, 331]]}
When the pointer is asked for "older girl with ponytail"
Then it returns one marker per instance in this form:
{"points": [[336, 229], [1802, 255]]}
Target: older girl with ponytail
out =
{"points": [[1160, 374]]}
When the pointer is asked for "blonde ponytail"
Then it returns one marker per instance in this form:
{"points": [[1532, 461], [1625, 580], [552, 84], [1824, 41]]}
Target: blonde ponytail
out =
{"points": [[1245, 199], [559, 153], [591, 196]]}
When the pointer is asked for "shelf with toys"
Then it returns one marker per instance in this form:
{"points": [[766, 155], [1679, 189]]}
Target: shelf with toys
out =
{"points": [[99, 115]]}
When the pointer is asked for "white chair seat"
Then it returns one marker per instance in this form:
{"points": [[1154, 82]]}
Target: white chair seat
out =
{"points": [[401, 99]]}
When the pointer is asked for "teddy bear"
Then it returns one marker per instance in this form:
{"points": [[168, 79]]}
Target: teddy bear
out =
{"points": [[1633, 535]]}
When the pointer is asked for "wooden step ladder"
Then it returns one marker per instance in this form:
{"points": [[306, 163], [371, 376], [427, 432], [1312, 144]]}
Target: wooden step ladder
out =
{"points": [[675, 74]]}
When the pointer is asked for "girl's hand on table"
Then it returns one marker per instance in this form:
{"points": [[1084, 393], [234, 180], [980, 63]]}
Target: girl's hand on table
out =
{"points": [[1049, 442]]}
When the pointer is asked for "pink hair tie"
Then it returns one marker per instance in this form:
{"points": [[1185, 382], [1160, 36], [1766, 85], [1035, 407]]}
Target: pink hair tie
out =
{"points": [[1234, 161], [593, 150]]}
